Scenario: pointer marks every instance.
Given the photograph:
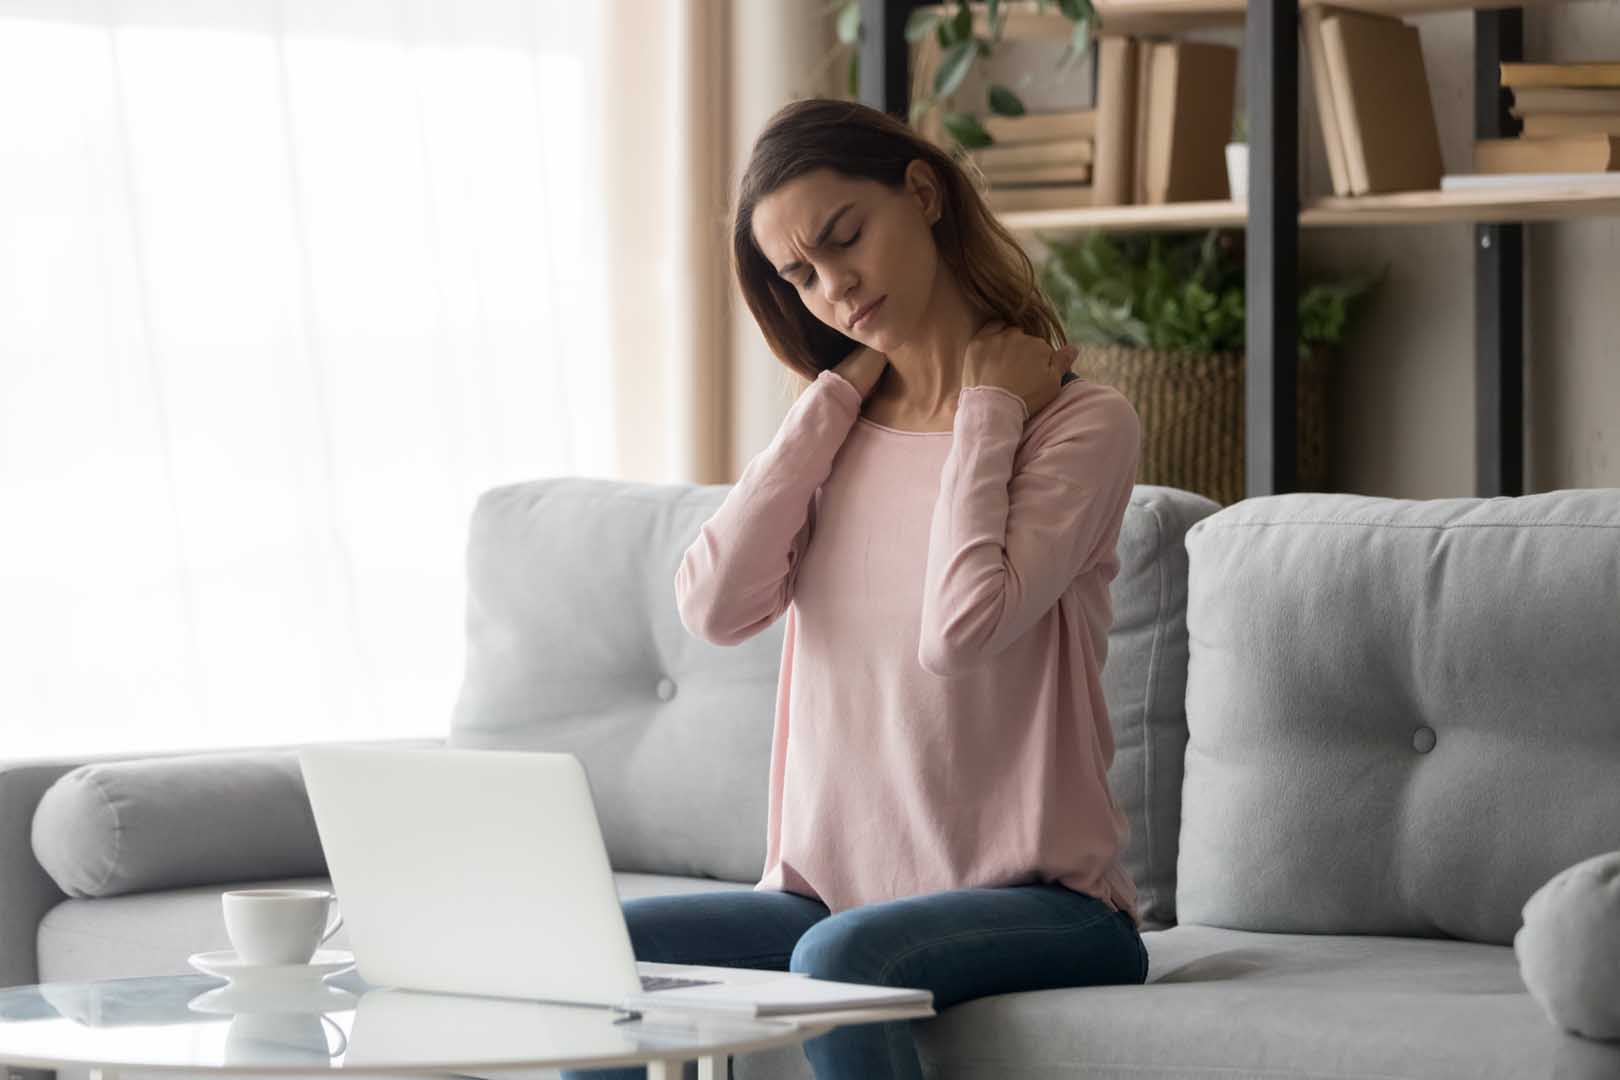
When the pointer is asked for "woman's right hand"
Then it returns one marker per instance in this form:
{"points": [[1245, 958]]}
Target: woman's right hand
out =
{"points": [[863, 368]]}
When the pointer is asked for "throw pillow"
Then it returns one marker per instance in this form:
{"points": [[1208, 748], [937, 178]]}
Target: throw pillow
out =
{"points": [[164, 823], [1569, 947]]}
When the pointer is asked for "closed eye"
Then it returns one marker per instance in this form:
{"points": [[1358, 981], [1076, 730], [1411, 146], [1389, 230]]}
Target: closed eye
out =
{"points": [[811, 276]]}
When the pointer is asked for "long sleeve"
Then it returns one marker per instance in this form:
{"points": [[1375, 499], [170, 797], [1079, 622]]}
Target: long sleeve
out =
{"points": [[737, 576], [1004, 547]]}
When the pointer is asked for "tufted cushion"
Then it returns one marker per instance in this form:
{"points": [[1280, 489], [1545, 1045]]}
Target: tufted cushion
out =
{"points": [[1569, 947], [1402, 715], [574, 644], [168, 822]]}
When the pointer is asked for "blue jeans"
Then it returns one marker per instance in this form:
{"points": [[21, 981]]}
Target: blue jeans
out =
{"points": [[961, 944]]}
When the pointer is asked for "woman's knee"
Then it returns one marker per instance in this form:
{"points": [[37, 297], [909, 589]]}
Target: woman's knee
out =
{"points": [[844, 948]]}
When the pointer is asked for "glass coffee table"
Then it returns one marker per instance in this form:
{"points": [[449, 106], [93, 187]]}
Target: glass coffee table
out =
{"points": [[199, 1024]]}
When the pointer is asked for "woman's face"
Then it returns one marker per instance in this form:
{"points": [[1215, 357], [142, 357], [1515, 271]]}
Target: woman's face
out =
{"points": [[842, 244]]}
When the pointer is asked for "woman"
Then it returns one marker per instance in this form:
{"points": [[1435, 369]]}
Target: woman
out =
{"points": [[937, 515]]}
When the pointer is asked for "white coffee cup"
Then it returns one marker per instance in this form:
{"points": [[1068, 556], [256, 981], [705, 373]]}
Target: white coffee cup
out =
{"points": [[278, 926]]}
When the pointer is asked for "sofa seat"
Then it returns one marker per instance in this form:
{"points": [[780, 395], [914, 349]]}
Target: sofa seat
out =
{"points": [[1237, 1004], [152, 933]]}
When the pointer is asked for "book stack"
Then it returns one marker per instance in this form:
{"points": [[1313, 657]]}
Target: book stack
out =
{"points": [[1373, 101], [1038, 161], [1164, 117], [1571, 115], [1042, 159], [1155, 131]]}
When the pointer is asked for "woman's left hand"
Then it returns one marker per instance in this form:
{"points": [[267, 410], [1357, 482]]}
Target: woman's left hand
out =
{"points": [[1004, 356]]}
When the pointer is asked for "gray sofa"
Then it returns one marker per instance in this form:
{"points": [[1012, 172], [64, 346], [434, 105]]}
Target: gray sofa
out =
{"points": [[1353, 736]]}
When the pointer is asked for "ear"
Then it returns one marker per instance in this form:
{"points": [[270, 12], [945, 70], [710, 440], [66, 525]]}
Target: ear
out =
{"points": [[924, 187]]}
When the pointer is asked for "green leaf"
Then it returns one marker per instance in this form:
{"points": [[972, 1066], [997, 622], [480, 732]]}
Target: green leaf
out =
{"points": [[953, 69], [1079, 43], [962, 22], [965, 129], [919, 23], [997, 16], [854, 79], [1003, 102], [849, 22]]}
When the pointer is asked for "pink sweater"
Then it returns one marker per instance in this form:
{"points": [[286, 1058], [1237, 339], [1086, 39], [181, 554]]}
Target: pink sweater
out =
{"points": [[940, 721]]}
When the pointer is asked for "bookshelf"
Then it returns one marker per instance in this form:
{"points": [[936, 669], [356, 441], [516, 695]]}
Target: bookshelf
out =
{"points": [[1274, 212]]}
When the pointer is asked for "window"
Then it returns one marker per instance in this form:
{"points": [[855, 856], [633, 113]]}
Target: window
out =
{"points": [[283, 287]]}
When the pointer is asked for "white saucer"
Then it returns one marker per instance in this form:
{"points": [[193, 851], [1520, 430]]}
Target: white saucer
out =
{"points": [[225, 964]]}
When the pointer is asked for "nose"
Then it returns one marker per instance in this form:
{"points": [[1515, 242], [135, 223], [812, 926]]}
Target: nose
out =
{"points": [[837, 284]]}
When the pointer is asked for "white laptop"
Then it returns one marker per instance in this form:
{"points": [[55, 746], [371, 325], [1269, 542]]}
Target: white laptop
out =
{"points": [[484, 872]]}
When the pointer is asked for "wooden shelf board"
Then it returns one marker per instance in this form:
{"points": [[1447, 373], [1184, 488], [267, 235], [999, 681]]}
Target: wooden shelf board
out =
{"points": [[1422, 7], [1408, 208], [1190, 215], [1501, 205], [1164, 16]]}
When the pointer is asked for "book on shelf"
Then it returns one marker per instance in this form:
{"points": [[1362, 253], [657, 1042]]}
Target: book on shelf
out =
{"points": [[1541, 124], [1066, 126], [1113, 170], [1310, 30], [1589, 153], [1528, 101], [1495, 181], [1516, 75], [1049, 197], [1192, 87], [1139, 133], [1382, 102], [1028, 155], [1038, 174]]}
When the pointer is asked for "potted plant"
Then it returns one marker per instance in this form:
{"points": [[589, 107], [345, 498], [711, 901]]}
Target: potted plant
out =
{"points": [[1161, 316], [1237, 159], [960, 47]]}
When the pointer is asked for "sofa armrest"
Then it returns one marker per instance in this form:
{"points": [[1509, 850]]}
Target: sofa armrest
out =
{"points": [[27, 892]]}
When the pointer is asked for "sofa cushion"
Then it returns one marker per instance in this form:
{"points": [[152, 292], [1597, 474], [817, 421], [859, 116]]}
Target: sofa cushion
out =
{"points": [[1401, 714], [152, 933], [1233, 1003], [166, 822], [574, 644]]}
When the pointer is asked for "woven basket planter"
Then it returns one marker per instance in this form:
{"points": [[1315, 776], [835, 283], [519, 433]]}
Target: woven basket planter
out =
{"points": [[1192, 409]]}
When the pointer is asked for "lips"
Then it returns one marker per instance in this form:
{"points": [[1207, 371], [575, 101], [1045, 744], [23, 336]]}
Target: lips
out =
{"points": [[865, 311]]}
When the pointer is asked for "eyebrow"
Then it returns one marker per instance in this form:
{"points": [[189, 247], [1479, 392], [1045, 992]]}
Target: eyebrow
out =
{"points": [[821, 238]]}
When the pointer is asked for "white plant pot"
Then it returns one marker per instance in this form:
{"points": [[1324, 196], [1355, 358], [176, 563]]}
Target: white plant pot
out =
{"points": [[1237, 169]]}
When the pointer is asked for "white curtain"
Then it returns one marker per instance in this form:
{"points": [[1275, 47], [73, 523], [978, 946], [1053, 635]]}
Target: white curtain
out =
{"points": [[283, 287]]}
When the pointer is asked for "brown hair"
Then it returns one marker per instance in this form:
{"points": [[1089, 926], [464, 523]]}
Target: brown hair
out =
{"points": [[861, 142]]}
